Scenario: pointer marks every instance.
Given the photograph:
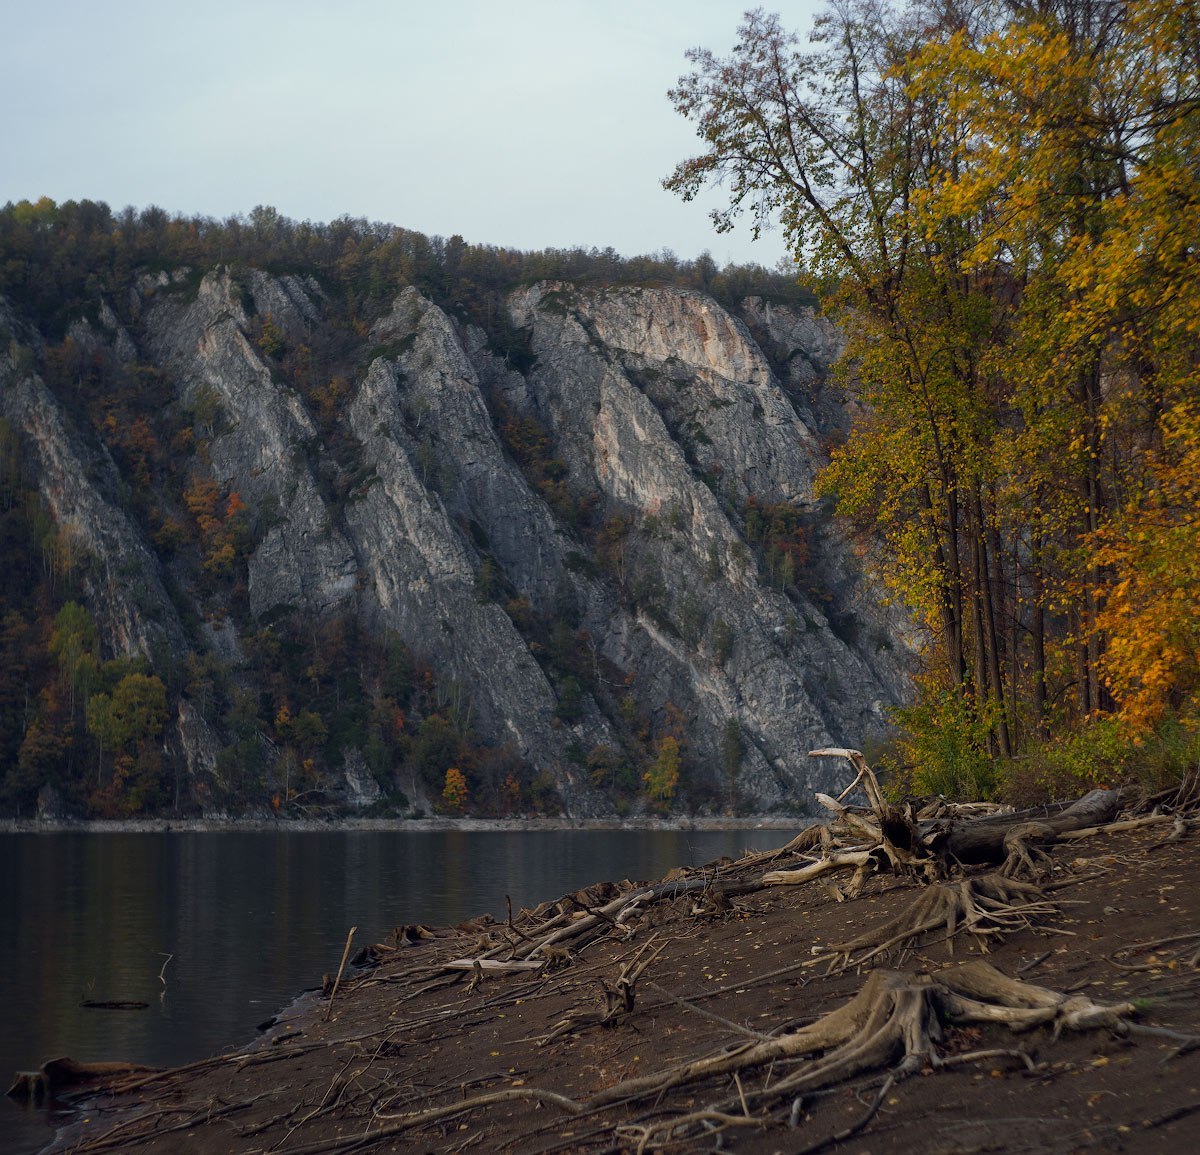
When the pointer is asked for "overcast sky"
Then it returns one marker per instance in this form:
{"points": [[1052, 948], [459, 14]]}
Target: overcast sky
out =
{"points": [[527, 123]]}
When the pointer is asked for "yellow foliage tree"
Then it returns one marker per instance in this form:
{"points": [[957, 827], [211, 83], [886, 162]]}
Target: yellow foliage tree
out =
{"points": [[455, 792], [662, 776], [1007, 207], [1150, 613]]}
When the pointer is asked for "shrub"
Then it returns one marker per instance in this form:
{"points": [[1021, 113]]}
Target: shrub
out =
{"points": [[945, 742]]}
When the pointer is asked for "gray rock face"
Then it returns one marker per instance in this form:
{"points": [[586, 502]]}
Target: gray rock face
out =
{"points": [[262, 437], [418, 567], [363, 790], [124, 589], [448, 429], [662, 400], [712, 387], [122, 580], [665, 420], [804, 347]]}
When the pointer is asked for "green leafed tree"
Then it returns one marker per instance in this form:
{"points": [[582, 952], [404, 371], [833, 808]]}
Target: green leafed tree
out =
{"points": [[135, 710]]}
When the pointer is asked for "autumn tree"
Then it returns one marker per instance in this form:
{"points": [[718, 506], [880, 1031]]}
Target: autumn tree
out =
{"points": [[74, 645], [1092, 209], [838, 142], [127, 723], [1000, 198], [662, 775], [1149, 610], [455, 791]]}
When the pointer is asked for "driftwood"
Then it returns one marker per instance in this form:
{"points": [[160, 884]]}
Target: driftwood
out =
{"points": [[990, 839], [930, 844], [63, 1076]]}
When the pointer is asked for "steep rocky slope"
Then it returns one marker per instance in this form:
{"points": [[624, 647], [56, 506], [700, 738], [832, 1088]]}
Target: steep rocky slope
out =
{"points": [[568, 530]]}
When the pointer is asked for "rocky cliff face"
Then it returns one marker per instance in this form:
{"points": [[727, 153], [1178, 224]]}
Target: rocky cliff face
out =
{"points": [[263, 436], [607, 479], [80, 485], [662, 401]]}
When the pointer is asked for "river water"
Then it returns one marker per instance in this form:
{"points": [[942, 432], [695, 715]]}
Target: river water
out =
{"points": [[219, 931]]}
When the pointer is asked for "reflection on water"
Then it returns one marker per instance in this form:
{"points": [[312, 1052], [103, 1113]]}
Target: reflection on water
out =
{"points": [[251, 919]]}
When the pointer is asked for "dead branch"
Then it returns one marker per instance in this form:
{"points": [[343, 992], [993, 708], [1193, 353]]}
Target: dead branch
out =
{"points": [[512, 966], [400, 1124], [729, 1024], [341, 967], [1179, 955], [836, 860], [615, 1001]]}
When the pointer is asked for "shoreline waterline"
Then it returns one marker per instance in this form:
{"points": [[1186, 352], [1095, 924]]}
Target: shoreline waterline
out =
{"points": [[390, 825]]}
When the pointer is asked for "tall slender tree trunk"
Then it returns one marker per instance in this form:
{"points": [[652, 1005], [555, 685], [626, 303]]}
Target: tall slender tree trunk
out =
{"points": [[951, 620], [991, 635], [1093, 498], [1038, 629]]}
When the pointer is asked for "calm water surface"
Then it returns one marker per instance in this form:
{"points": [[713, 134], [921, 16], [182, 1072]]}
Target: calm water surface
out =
{"points": [[250, 920]]}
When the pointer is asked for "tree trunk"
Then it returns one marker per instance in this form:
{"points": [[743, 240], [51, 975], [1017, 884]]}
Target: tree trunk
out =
{"points": [[981, 840]]}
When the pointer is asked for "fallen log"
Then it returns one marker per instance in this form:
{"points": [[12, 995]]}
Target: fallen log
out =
{"points": [[909, 841], [982, 840]]}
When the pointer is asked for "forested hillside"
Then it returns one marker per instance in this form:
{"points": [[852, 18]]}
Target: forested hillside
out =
{"points": [[306, 518]]}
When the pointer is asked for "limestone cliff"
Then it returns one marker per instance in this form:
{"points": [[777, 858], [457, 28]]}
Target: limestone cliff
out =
{"points": [[80, 484], [262, 434], [565, 536], [663, 401]]}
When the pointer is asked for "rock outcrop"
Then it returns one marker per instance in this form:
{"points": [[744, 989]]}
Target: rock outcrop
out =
{"points": [[80, 486], [264, 440], [662, 400]]}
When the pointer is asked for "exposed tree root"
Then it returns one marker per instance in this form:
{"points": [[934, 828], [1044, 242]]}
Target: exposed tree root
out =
{"points": [[894, 1024], [656, 1135], [1023, 857], [894, 1014], [398, 1125], [985, 906], [1181, 950], [929, 843]]}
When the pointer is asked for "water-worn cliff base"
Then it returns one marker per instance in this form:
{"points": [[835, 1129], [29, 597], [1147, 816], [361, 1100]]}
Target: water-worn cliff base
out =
{"points": [[725, 981]]}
